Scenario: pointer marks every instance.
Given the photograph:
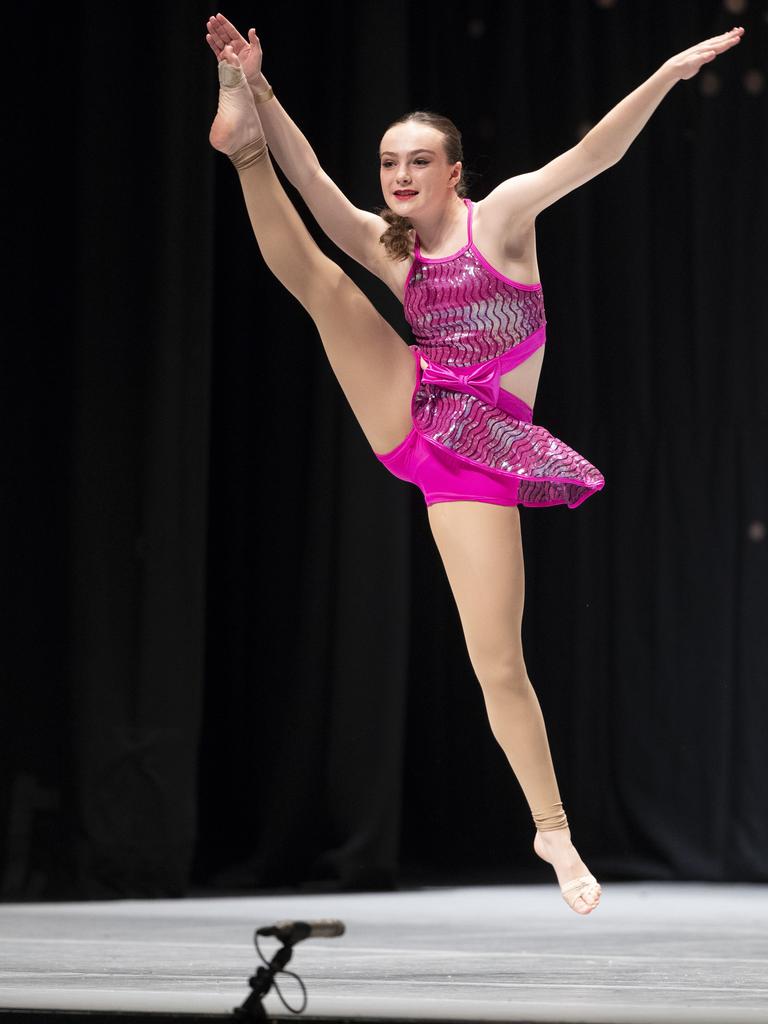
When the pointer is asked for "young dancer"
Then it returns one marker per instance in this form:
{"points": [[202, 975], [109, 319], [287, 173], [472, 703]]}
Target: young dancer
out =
{"points": [[453, 413]]}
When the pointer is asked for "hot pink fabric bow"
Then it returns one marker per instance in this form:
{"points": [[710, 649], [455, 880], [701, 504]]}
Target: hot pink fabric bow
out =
{"points": [[481, 380]]}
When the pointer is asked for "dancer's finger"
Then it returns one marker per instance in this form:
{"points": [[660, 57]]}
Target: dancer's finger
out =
{"points": [[214, 46], [217, 45], [224, 30], [726, 38], [228, 29], [219, 31], [213, 28]]}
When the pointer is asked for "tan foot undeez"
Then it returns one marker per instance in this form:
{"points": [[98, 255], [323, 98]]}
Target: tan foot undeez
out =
{"points": [[580, 889], [237, 121]]}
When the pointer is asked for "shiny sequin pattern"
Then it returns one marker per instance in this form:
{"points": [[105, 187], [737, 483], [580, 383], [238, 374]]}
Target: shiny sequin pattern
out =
{"points": [[460, 313], [550, 471], [463, 312]]}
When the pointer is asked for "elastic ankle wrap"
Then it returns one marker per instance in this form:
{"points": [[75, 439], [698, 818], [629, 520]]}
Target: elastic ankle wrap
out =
{"points": [[250, 153]]}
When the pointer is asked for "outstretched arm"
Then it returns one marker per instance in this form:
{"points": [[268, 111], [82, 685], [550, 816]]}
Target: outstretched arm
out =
{"points": [[522, 198], [355, 231]]}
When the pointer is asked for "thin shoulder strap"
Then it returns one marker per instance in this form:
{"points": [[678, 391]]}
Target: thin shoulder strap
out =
{"points": [[470, 207]]}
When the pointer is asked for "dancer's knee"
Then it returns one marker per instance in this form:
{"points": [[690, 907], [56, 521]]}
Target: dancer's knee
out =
{"points": [[332, 297], [501, 674], [312, 280]]}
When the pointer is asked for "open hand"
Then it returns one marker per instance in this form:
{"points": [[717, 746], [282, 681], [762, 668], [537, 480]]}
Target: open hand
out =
{"points": [[222, 32], [687, 63]]}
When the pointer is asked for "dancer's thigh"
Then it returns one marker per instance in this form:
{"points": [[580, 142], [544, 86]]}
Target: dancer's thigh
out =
{"points": [[374, 366], [481, 548]]}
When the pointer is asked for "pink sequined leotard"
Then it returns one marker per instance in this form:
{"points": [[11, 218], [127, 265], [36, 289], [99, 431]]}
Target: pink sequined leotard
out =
{"points": [[471, 439]]}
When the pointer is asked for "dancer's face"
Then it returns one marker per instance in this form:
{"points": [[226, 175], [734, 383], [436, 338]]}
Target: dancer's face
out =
{"points": [[412, 160]]}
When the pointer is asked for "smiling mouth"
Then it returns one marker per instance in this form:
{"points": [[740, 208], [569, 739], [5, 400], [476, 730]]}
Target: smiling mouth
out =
{"points": [[406, 194]]}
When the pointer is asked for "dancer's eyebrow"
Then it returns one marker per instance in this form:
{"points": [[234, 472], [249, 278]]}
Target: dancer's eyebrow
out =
{"points": [[389, 152]]}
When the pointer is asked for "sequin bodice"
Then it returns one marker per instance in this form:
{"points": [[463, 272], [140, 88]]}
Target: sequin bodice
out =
{"points": [[462, 311], [472, 326]]}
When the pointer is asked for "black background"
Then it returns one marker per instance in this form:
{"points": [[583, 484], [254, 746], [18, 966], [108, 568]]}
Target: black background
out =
{"points": [[231, 656]]}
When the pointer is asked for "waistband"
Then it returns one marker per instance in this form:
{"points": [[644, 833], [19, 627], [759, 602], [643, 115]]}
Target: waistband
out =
{"points": [[482, 379]]}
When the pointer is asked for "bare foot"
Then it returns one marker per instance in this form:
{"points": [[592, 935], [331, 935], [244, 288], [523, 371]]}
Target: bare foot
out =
{"points": [[556, 848], [237, 121]]}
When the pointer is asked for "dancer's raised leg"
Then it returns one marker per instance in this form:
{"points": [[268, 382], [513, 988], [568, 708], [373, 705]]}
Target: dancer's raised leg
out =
{"points": [[481, 548], [372, 363]]}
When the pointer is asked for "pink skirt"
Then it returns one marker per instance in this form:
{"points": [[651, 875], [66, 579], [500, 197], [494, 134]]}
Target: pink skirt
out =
{"points": [[474, 441]]}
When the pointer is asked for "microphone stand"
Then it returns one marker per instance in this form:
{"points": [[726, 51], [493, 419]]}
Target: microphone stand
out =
{"points": [[289, 933], [261, 982]]}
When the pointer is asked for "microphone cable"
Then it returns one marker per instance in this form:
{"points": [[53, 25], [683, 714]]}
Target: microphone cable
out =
{"points": [[274, 979]]}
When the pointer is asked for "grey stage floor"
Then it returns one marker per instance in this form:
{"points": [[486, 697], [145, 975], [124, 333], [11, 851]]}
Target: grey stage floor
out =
{"points": [[650, 952]]}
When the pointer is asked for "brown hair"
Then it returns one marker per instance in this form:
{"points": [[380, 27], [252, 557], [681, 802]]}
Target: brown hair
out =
{"points": [[395, 239]]}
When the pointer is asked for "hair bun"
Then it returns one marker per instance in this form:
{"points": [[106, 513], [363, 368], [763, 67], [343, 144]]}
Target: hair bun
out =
{"points": [[396, 239]]}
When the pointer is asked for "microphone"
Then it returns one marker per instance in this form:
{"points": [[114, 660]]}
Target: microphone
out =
{"points": [[290, 932]]}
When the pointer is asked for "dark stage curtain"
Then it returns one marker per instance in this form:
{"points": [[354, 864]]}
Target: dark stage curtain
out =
{"points": [[231, 656]]}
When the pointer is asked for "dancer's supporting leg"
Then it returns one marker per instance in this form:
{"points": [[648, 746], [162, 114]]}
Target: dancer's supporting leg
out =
{"points": [[372, 363], [481, 548]]}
